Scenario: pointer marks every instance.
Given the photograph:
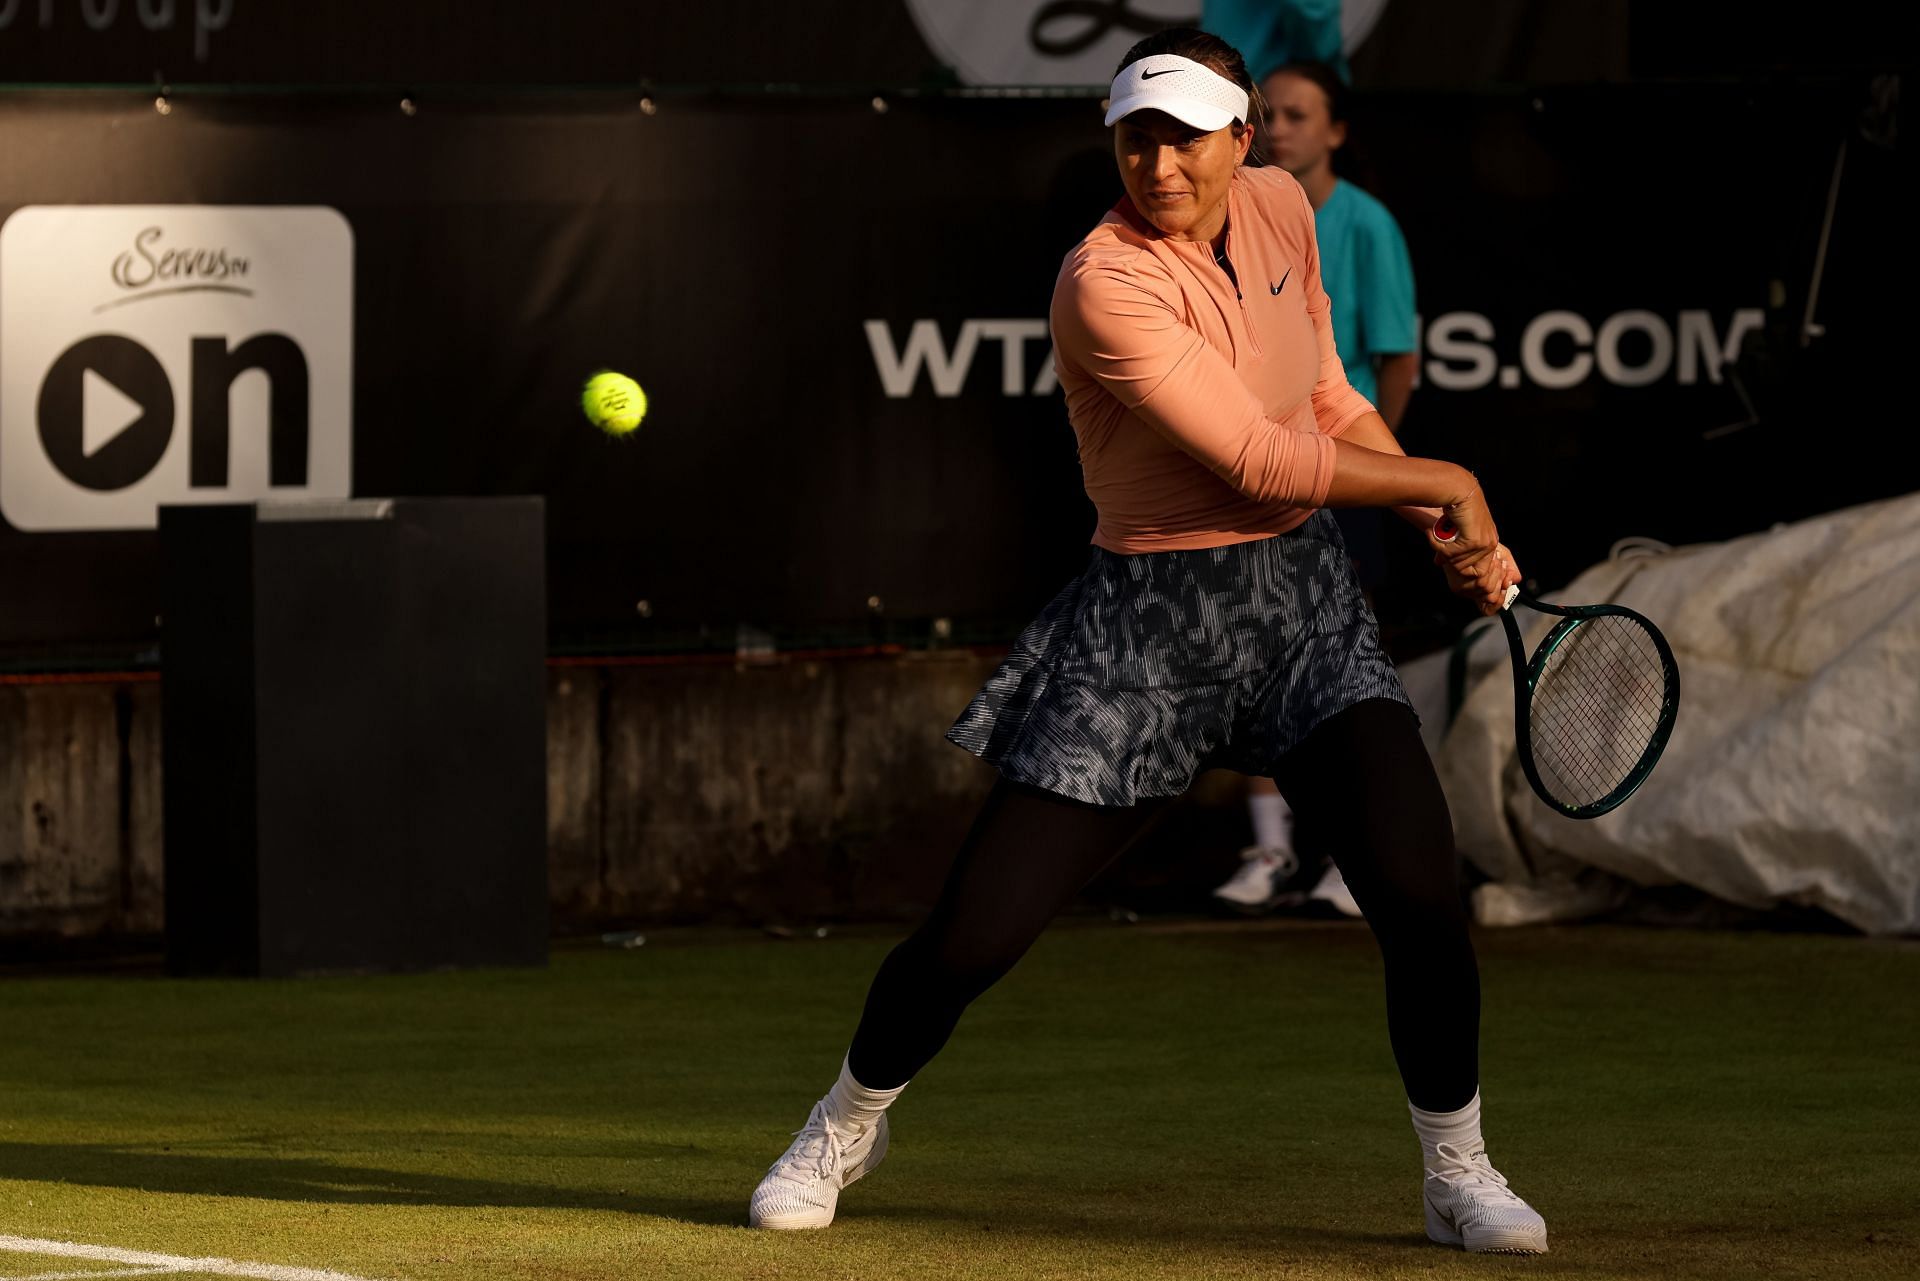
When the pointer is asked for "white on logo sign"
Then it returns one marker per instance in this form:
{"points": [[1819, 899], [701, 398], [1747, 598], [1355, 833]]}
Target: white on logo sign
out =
{"points": [[1070, 42], [155, 354]]}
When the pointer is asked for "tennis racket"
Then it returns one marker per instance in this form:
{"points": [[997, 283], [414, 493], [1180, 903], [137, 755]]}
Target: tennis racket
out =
{"points": [[1594, 706]]}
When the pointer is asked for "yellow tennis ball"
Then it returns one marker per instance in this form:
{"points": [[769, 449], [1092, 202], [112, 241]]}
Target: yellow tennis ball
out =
{"points": [[614, 402]]}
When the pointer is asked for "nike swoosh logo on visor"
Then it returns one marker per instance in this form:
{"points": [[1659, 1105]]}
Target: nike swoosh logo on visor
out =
{"points": [[1148, 75]]}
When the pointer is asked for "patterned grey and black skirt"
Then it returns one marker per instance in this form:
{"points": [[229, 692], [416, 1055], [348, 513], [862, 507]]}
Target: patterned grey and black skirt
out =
{"points": [[1149, 668]]}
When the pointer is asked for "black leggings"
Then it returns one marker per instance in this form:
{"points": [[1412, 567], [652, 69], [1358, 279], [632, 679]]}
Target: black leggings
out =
{"points": [[1362, 777]]}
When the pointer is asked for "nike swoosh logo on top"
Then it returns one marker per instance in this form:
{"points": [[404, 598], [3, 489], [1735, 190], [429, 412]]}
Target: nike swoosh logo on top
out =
{"points": [[1164, 71], [1273, 288]]}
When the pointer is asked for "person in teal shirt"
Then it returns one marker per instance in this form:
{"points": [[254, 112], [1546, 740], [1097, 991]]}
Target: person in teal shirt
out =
{"points": [[1363, 256], [1369, 281], [1270, 32]]}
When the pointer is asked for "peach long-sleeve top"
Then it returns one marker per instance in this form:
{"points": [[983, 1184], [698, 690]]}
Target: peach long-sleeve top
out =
{"points": [[1205, 412]]}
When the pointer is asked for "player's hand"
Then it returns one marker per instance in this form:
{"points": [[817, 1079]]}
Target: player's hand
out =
{"points": [[1485, 582], [1465, 533]]}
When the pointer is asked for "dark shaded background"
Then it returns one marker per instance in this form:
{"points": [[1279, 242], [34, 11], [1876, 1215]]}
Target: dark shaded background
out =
{"points": [[532, 223]]}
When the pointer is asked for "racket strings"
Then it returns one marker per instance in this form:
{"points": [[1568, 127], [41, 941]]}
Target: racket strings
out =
{"points": [[1596, 708]]}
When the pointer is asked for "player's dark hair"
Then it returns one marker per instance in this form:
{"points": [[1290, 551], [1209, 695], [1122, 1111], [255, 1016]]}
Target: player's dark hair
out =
{"points": [[1209, 51], [1329, 81]]}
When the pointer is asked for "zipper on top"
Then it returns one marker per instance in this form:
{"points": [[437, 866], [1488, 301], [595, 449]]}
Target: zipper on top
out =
{"points": [[1225, 263]]}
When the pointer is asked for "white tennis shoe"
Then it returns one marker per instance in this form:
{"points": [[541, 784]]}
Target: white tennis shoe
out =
{"points": [[1468, 1204], [1263, 870], [801, 1189], [1332, 889]]}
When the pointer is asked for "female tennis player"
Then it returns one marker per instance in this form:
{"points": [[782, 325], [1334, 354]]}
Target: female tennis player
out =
{"points": [[1218, 623]]}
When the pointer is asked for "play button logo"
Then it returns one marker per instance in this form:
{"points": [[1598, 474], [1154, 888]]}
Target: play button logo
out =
{"points": [[106, 412]]}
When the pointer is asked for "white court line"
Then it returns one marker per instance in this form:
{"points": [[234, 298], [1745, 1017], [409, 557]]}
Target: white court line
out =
{"points": [[161, 1264], [86, 1276]]}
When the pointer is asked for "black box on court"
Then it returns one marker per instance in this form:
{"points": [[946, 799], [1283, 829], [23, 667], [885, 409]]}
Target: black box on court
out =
{"points": [[354, 707]]}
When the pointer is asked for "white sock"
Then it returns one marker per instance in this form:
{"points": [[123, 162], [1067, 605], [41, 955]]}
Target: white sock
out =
{"points": [[1271, 819], [1459, 1130], [852, 1107]]}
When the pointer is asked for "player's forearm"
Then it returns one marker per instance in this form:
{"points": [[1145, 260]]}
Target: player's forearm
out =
{"points": [[1369, 477], [1371, 430], [1394, 375]]}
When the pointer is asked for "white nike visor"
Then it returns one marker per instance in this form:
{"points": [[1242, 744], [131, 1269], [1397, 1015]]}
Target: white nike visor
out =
{"points": [[1181, 87]]}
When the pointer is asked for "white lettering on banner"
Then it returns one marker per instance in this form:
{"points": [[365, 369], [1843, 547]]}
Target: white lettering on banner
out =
{"points": [[1049, 380], [1012, 336], [1448, 339], [1460, 344], [209, 16], [947, 370], [191, 388], [1617, 371], [1558, 350], [899, 371], [1696, 341], [1533, 350]]}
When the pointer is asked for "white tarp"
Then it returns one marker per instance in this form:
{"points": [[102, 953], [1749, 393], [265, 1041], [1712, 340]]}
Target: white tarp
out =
{"points": [[1793, 776]]}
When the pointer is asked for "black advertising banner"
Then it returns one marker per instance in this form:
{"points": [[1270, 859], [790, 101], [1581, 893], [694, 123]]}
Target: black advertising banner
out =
{"points": [[730, 258], [419, 43], [837, 306], [898, 44]]}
